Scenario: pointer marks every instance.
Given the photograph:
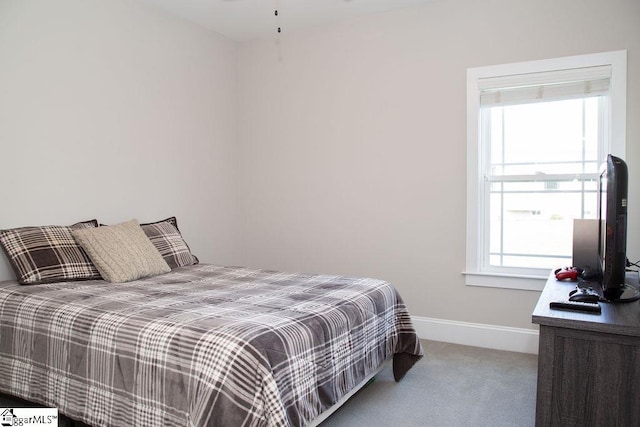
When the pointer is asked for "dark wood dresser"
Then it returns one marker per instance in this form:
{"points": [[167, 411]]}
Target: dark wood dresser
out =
{"points": [[588, 364]]}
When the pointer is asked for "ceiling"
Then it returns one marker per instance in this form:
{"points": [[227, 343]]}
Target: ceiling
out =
{"points": [[243, 20]]}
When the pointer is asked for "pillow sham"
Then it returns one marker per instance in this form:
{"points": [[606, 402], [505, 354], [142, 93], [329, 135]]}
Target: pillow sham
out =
{"points": [[47, 254], [166, 237], [121, 252]]}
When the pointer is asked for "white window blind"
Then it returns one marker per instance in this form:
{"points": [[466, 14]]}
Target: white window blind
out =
{"points": [[545, 86]]}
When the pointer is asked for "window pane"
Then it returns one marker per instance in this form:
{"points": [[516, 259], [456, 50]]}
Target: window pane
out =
{"points": [[531, 222], [496, 137], [592, 108], [495, 228], [545, 137], [535, 224], [591, 206]]}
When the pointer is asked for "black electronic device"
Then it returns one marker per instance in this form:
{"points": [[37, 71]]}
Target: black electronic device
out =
{"points": [[588, 307], [612, 216], [589, 273], [585, 294]]}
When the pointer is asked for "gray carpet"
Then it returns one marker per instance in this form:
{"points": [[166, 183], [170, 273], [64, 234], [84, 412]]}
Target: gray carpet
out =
{"points": [[452, 386]]}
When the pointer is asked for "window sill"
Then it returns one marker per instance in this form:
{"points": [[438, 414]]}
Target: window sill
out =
{"points": [[505, 281]]}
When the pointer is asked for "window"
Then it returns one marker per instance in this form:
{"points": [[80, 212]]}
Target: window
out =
{"points": [[537, 134]]}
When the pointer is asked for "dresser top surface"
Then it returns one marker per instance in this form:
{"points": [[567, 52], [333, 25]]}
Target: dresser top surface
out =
{"points": [[617, 318]]}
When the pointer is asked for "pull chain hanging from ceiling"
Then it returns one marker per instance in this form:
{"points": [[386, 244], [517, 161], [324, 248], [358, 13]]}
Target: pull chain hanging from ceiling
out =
{"points": [[278, 40]]}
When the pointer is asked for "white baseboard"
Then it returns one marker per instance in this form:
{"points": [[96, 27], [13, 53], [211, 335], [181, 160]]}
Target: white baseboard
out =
{"points": [[476, 334]]}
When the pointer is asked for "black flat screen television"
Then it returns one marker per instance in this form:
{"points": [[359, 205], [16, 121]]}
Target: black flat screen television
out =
{"points": [[612, 216]]}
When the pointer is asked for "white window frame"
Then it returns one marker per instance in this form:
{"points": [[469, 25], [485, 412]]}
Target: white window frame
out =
{"points": [[476, 213]]}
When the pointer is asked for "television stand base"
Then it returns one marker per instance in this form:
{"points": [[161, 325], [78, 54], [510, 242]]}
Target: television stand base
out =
{"points": [[628, 293]]}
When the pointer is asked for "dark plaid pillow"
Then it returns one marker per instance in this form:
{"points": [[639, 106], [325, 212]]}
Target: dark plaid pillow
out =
{"points": [[47, 254], [166, 237]]}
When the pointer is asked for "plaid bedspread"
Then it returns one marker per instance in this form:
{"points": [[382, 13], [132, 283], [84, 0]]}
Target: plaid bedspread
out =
{"points": [[201, 345]]}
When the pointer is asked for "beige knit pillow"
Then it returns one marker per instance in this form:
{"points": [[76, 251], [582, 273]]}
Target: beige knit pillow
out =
{"points": [[121, 252]]}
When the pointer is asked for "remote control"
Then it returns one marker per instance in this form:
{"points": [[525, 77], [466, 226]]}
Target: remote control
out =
{"points": [[589, 307]]}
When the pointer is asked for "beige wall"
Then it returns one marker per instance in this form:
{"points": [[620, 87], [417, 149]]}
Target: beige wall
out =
{"points": [[117, 110], [353, 141]]}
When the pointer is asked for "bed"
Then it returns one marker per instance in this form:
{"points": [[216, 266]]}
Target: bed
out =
{"points": [[201, 345]]}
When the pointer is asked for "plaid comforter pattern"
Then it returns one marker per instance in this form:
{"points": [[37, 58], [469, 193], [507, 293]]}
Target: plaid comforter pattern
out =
{"points": [[200, 345]]}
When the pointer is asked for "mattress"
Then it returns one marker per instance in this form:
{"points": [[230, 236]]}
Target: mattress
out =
{"points": [[202, 345]]}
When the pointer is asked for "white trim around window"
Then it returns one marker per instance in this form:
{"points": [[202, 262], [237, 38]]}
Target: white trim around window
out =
{"points": [[616, 61]]}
